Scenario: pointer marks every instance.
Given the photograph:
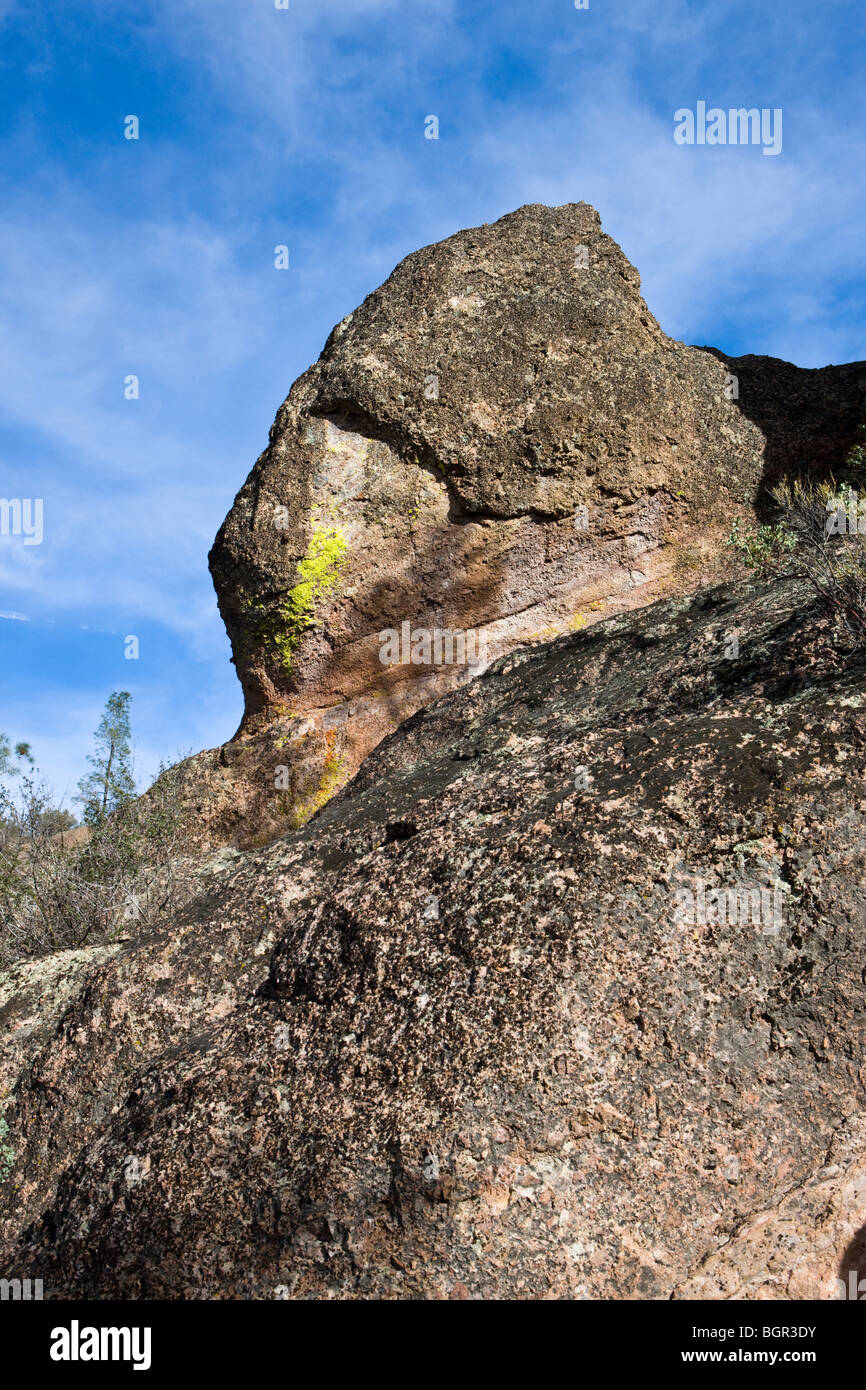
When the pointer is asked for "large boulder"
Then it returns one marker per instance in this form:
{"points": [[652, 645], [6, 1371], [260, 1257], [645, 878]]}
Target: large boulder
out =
{"points": [[500, 442], [561, 997]]}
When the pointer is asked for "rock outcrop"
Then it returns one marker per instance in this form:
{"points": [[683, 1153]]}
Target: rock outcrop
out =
{"points": [[562, 996], [500, 442]]}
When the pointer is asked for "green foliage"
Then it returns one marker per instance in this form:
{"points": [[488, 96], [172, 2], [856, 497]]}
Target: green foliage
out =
{"points": [[110, 784], [118, 877], [856, 458], [21, 751], [817, 536], [55, 821], [118, 874], [51, 819], [763, 549]]}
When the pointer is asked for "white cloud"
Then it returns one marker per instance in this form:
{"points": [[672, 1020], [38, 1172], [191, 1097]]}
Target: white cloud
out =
{"points": [[320, 142]]}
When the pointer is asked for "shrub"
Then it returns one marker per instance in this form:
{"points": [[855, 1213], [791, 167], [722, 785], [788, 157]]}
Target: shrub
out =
{"points": [[818, 534], [60, 890]]}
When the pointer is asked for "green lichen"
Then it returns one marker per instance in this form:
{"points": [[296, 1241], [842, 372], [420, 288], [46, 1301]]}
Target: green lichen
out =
{"points": [[333, 778], [319, 572], [7, 1153]]}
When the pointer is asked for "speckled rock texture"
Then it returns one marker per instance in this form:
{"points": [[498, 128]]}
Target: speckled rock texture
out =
{"points": [[495, 1023], [500, 440]]}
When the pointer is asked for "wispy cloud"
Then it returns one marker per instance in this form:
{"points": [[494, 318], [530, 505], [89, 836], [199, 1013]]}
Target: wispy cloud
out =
{"points": [[155, 258]]}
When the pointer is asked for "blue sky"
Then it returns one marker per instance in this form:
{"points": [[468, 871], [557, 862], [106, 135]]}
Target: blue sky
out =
{"points": [[305, 127]]}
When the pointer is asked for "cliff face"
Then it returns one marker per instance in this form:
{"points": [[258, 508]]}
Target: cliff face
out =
{"points": [[561, 997], [501, 442]]}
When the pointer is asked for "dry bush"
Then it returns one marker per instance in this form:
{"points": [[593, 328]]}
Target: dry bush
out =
{"points": [[818, 534], [66, 889]]}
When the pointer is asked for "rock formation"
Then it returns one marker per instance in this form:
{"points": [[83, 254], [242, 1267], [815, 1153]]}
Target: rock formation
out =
{"points": [[499, 441], [561, 997]]}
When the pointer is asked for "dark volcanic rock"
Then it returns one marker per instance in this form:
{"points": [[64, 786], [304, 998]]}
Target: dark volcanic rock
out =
{"points": [[808, 417], [458, 1037]]}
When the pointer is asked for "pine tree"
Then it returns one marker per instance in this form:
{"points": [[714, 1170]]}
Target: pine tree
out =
{"points": [[110, 784], [21, 751]]}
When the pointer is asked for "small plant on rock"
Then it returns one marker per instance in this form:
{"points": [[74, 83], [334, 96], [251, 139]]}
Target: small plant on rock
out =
{"points": [[819, 535]]}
